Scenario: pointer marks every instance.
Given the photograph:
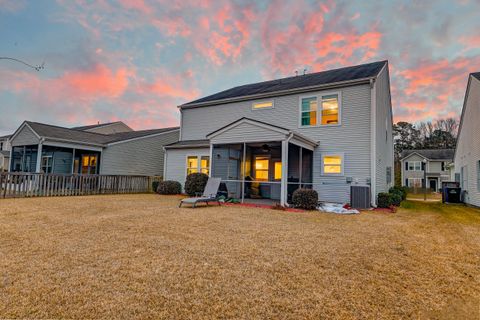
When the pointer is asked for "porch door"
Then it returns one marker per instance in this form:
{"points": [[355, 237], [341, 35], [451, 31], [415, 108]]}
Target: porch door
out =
{"points": [[433, 184]]}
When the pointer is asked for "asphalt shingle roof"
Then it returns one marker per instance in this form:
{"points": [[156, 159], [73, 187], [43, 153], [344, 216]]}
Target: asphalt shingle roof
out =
{"points": [[432, 154], [476, 75], [188, 143], [94, 126], [297, 82], [51, 131]]}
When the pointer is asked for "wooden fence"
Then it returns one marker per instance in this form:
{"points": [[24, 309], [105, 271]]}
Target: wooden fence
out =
{"points": [[19, 185]]}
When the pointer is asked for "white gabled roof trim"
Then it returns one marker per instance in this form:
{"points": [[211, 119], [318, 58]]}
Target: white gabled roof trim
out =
{"points": [[252, 122]]}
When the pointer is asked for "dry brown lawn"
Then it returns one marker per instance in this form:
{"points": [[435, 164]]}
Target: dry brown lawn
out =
{"points": [[139, 256]]}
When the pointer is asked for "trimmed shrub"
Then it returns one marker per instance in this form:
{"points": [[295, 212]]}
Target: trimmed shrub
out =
{"points": [[384, 200], [169, 187], [305, 199], [400, 190], [155, 186], [396, 198], [195, 183]]}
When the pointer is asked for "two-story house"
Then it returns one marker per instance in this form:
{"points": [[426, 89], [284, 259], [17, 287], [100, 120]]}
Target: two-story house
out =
{"points": [[328, 131], [467, 152], [4, 152], [436, 162]]}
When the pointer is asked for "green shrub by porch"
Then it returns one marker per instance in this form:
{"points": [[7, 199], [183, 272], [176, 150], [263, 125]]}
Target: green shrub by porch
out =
{"points": [[396, 198], [402, 191], [305, 199], [384, 200], [195, 183], [169, 187]]}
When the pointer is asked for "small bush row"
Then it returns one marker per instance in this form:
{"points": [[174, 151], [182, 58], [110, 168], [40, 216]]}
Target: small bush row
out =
{"points": [[169, 187], [394, 197], [305, 199], [195, 184]]}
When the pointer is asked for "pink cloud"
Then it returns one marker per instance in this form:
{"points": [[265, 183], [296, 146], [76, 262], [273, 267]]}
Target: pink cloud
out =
{"points": [[138, 5]]}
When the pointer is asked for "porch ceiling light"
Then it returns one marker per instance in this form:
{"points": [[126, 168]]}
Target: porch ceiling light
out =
{"points": [[265, 148]]}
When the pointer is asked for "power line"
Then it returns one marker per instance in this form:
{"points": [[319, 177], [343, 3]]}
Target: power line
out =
{"points": [[36, 68]]}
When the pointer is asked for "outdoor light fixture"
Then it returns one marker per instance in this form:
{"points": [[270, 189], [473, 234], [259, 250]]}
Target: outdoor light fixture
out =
{"points": [[265, 148]]}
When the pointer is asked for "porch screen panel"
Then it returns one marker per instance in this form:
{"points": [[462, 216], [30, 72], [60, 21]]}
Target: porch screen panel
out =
{"points": [[307, 168]]}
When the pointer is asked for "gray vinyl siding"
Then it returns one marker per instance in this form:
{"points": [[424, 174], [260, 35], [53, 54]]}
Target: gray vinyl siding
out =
{"points": [[143, 156], [25, 137], [352, 137], [176, 166], [384, 137], [468, 145], [246, 132]]}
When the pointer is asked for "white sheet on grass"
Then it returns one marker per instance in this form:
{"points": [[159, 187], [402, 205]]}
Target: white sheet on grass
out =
{"points": [[336, 208]]}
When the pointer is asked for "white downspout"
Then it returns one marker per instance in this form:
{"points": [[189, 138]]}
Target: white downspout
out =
{"points": [[284, 184], [373, 141]]}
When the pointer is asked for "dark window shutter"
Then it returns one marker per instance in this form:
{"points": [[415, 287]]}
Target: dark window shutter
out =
{"points": [[406, 165]]}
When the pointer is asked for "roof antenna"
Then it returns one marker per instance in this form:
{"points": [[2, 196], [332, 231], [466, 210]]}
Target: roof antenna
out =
{"points": [[296, 73], [304, 71]]}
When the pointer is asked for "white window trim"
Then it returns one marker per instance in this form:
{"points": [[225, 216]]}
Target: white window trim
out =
{"points": [[319, 96], [413, 179], [51, 164], [199, 162], [264, 108], [342, 173], [414, 166]]}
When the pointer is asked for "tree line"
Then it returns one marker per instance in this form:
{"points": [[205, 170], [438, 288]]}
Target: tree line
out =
{"points": [[439, 134]]}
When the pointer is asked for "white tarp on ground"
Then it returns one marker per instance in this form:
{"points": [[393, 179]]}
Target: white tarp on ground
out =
{"points": [[336, 208]]}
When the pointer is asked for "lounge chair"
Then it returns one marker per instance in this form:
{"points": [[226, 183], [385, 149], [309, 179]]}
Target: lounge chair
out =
{"points": [[209, 194]]}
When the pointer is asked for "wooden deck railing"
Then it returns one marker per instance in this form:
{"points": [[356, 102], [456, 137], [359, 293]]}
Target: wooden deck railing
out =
{"points": [[19, 185]]}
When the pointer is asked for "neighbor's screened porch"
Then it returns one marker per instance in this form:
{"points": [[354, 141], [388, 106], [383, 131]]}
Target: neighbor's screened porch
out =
{"points": [[254, 172]]}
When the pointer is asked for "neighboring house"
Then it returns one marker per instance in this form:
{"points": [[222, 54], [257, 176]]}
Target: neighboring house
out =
{"points": [[467, 152], [327, 131], [106, 128], [437, 163], [4, 153], [82, 151]]}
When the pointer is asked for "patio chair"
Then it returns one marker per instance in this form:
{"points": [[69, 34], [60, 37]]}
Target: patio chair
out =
{"points": [[209, 194]]}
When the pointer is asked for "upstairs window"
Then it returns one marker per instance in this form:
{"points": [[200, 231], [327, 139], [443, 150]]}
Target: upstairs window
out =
{"points": [[330, 109], [414, 166], [309, 111], [320, 110], [262, 105]]}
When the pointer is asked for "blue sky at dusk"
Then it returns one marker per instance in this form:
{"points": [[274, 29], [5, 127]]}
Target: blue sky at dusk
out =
{"points": [[137, 60]]}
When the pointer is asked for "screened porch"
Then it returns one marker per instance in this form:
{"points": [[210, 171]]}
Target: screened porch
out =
{"points": [[259, 172]]}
